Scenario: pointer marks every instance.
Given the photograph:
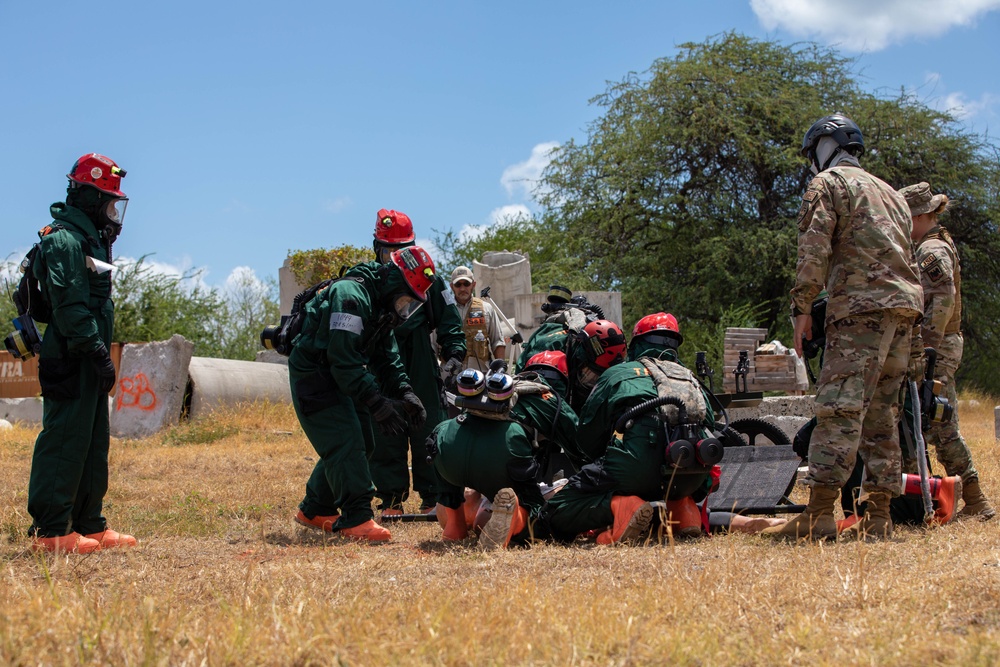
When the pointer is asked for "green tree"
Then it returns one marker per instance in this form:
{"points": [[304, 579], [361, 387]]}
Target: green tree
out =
{"points": [[554, 260], [684, 194], [150, 306], [312, 266], [249, 305]]}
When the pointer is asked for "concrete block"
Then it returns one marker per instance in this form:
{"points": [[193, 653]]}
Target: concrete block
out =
{"points": [[777, 406], [789, 424], [529, 316], [151, 387], [222, 383], [28, 410], [271, 357]]}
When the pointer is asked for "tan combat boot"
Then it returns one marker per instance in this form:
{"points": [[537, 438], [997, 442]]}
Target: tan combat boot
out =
{"points": [[815, 523], [976, 504], [876, 524]]}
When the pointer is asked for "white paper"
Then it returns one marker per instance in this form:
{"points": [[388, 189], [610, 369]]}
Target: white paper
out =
{"points": [[99, 267]]}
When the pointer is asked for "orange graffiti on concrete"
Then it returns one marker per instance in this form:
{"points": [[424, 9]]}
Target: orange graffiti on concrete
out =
{"points": [[135, 392]]}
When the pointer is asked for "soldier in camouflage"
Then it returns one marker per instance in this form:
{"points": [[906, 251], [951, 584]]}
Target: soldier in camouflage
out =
{"points": [[854, 240], [941, 277]]}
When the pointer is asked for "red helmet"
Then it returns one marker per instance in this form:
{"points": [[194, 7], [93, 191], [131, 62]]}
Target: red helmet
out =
{"points": [[604, 343], [100, 172], [549, 359], [417, 268], [393, 228], [663, 323]]}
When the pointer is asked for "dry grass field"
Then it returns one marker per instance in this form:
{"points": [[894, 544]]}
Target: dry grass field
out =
{"points": [[223, 577]]}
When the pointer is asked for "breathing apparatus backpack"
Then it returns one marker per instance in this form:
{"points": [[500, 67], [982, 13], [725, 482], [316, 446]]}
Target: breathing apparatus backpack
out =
{"points": [[280, 337], [692, 446], [25, 341]]}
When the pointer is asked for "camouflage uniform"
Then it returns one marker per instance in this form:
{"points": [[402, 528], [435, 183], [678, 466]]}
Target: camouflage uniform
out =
{"points": [[854, 239], [941, 277]]}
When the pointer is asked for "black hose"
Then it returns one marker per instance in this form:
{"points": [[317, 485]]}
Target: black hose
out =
{"points": [[646, 406]]}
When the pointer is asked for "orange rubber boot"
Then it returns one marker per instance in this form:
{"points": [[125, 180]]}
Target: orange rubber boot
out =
{"points": [[632, 517], [455, 528], [847, 522], [472, 501], [112, 538], [320, 522], [369, 530], [684, 517], [508, 519], [945, 493], [74, 543], [946, 499]]}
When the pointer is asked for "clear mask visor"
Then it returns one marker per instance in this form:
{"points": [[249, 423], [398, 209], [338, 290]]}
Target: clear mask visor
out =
{"points": [[587, 377], [405, 305], [114, 210]]}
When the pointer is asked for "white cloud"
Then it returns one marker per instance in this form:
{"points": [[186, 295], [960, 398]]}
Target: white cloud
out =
{"points": [[962, 108], [336, 205], [166, 268], [933, 92], [522, 178], [509, 213], [868, 25]]}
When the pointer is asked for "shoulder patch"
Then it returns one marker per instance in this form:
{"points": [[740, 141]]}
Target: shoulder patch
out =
{"points": [[449, 297], [931, 266], [346, 322], [809, 199]]}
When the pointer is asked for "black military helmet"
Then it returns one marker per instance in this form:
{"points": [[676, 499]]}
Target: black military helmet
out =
{"points": [[844, 130]]}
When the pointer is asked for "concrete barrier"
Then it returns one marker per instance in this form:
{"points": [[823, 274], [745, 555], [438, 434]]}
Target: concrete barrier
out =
{"points": [[27, 410], [220, 383], [789, 413], [151, 387]]}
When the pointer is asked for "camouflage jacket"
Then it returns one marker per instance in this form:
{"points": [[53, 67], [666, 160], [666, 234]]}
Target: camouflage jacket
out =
{"points": [[854, 240], [941, 277]]}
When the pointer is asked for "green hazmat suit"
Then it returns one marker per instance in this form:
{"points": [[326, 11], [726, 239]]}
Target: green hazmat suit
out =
{"points": [[549, 336], [632, 463], [345, 353], [491, 454], [69, 466], [389, 460]]}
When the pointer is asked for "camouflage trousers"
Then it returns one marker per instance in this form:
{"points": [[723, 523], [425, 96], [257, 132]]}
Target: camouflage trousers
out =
{"points": [[950, 448], [857, 401]]}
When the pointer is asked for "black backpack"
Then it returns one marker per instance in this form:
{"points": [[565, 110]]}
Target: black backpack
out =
{"points": [[28, 297]]}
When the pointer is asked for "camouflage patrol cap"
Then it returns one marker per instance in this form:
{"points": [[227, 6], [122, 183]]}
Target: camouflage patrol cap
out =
{"points": [[921, 200]]}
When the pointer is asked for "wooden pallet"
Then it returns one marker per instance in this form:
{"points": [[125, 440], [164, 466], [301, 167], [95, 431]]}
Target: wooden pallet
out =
{"points": [[768, 372]]}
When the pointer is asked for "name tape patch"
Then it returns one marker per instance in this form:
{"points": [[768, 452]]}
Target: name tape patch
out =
{"points": [[347, 322]]}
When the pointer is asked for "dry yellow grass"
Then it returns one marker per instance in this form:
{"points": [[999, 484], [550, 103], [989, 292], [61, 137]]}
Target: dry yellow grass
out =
{"points": [[222, 576]]}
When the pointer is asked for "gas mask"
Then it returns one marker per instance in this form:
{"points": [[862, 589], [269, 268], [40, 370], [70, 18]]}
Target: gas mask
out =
{"points": [[401, 306], [111, 216], [587, 377]]}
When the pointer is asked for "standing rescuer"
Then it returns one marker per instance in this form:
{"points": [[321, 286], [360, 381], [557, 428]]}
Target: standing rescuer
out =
{"points": [[345, 373], [854, 239], [941, 277], [394, 230], [483, 337], [69, 467]]}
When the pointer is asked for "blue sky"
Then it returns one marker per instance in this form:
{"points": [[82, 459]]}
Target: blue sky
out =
{"points": [[252, 128]]}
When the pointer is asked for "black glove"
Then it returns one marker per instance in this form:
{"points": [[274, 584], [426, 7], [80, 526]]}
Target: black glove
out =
{"points": [[105, 368], [387, 420], [453, 366], [415, 412], [431, 444]]}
